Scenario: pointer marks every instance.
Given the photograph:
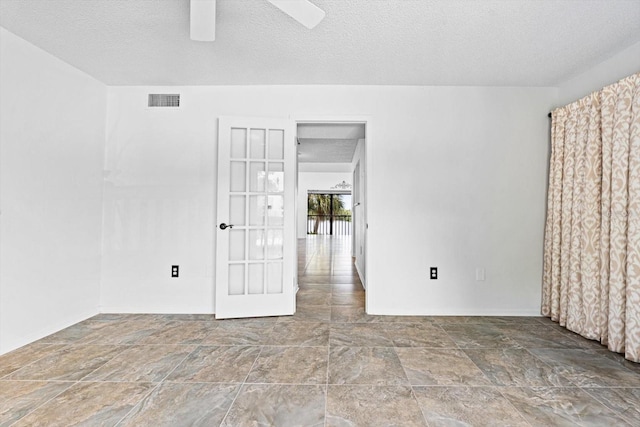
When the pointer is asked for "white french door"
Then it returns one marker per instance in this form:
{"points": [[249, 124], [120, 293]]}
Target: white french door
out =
{"points": [[255, 229]]}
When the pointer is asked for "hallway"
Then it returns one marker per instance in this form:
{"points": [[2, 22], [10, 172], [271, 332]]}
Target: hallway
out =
{"points": [[328, 365], [328, 280]]}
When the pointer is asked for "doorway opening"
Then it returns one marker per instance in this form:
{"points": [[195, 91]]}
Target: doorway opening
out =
{"points": [[331, 164]]}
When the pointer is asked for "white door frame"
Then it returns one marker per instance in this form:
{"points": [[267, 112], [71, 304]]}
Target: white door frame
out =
{"points": [[360, 119]]}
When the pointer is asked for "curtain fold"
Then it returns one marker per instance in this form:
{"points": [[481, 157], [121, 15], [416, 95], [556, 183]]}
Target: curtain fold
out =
{"points": [[591, 281]]}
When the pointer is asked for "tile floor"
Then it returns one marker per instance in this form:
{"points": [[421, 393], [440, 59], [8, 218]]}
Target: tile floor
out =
{"points": [[328, 365]]}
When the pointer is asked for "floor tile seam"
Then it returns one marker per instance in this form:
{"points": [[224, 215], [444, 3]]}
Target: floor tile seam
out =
{"points": [[157, 345], [621, 365], [255, 361], [294, 346], [362, 346], [240, 387], [186, 382], [425, 347], [33, 361], [506, 386], [515, 408], [618, 413], [476, 347], [27, 380], [415, 398], [107, 344], [310, 258], [369, 385], [406, 375], [142, 398], [179, 363], [40, 341], [267, 383], [373, 322], [491, 386], [326, 380], [451, 338], [484, 375], [49, 344], [536, 347], [571, 387], [553, 368], [479, 368], [625, 417], [532, 355], [118, 353], [83, 379], [73, 383], [89, 381], [563, 366], [593, 396], [228, 345], [614, 387]]}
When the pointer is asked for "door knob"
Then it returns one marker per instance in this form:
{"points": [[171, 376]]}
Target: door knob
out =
{"points": [[224, 226]]}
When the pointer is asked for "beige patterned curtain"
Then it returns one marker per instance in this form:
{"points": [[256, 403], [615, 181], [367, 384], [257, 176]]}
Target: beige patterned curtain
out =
{"points": [[591, 282]]}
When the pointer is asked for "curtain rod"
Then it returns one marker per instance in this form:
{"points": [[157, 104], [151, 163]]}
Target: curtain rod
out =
{"points": [[549, 115]]}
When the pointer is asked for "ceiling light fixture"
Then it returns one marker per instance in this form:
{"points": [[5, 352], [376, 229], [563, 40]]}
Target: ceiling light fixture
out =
{"points": [[344, 185]]}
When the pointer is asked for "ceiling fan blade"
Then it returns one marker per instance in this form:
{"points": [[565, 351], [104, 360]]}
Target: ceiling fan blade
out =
{"points": [[303, 11], [203, 20]]}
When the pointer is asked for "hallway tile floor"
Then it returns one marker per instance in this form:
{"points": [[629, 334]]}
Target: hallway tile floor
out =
{"points": [[330, 364]]}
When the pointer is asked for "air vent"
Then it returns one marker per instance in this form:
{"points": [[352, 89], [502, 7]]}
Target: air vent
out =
{"points": [[164, 100]]}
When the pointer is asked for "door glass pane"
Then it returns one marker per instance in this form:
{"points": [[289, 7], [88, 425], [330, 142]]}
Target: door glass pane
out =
{"points": [[274, 278], [257, 143], [256, 176], [256, 278], [276, 144], [276, 210], [257, 210], [238, 143], [236, 244], [237, 210], [237, 178], [256, 244], [274, 244], [236, 279], [276, 177]]}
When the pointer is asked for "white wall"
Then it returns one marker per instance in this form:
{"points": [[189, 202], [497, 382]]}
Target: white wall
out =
{"points": [[315, 181], [456, 179], [158, 205], [52, 133], [359, 211], [617, 67]]}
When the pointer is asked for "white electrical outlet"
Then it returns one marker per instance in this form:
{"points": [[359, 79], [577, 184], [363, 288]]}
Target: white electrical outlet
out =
{"points": [[480, 274]]}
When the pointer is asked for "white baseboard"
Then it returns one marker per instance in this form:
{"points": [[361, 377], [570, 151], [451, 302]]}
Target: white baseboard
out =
{"points": [[461, 312], [46, 331], [148, 310], [361, 276]]}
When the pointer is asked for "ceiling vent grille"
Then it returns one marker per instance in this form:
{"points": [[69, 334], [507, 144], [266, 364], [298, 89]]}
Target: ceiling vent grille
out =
{"points": [[164, 100]]}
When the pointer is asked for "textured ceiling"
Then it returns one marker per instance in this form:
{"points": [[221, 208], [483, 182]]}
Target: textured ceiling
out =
{"points": [[328, 142], [326, 150], [403, 42]]}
